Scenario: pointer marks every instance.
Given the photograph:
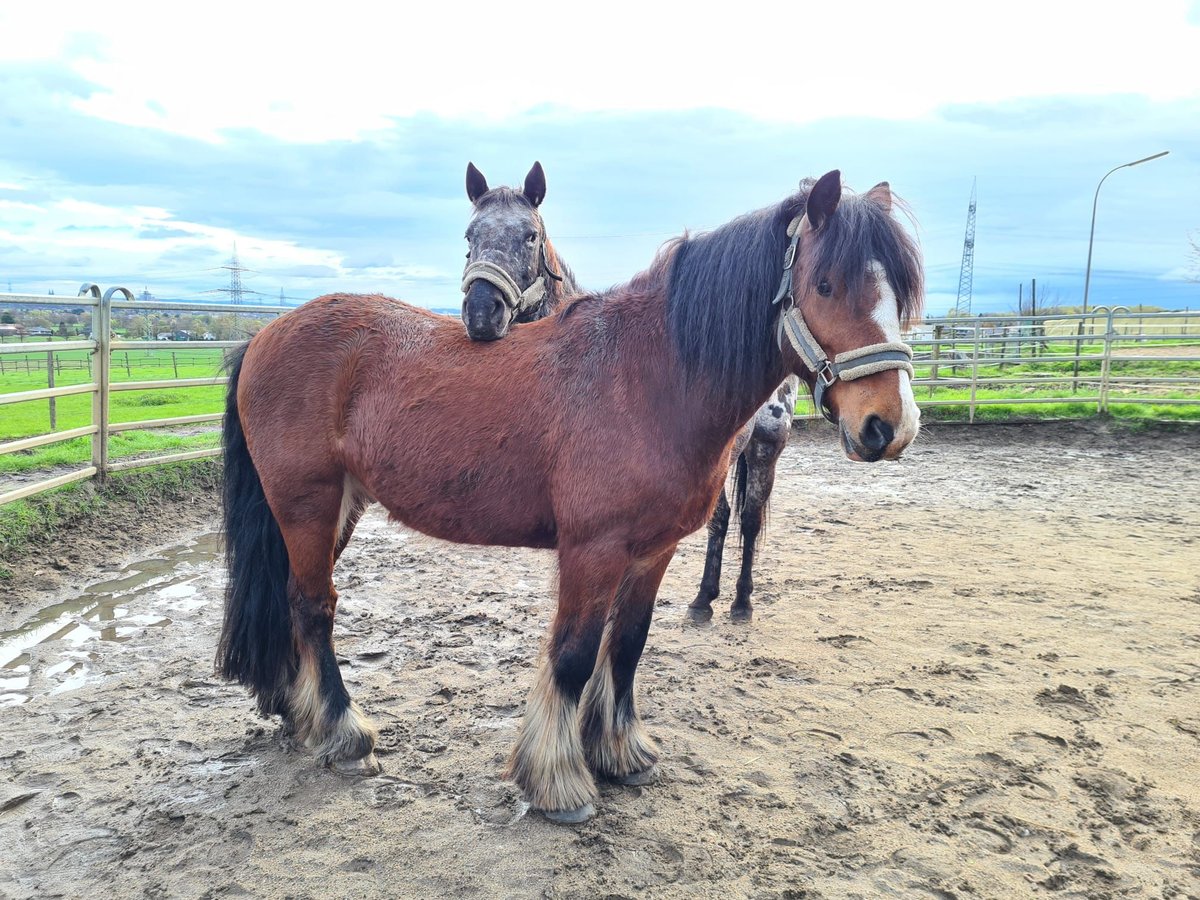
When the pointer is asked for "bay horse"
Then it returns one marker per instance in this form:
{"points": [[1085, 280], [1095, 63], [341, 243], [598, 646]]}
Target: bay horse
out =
{"points": [[608, 439], [510, 278], [513, 272]]}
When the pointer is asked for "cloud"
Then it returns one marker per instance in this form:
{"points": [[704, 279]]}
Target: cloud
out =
{"points": [[386, 212]]}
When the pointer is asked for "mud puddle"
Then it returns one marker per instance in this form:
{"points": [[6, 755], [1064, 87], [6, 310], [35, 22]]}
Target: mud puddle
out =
{"points": [[60, 647]]}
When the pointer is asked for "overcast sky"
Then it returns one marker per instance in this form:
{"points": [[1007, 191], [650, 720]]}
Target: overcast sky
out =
{"points": [[136, 148]]}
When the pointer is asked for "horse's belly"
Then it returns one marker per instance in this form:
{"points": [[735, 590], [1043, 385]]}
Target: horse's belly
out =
{"points": [[467, 505]]}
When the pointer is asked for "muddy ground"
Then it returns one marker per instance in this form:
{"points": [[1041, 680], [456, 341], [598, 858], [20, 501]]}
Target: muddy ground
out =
{"points": [[974, 673]]}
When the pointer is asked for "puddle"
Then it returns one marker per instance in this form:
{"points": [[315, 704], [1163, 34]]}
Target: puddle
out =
{"points": [[143, 594]]}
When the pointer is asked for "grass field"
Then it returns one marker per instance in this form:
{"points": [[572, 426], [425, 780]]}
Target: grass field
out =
{"points": [[33, 417]]}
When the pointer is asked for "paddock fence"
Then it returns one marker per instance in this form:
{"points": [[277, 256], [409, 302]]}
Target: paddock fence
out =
{"points": [[1101, 359], [103, 349]]}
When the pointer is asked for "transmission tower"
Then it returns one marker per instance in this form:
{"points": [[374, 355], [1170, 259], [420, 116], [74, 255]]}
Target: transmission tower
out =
{"points": [[235, 270], [962, 306]]}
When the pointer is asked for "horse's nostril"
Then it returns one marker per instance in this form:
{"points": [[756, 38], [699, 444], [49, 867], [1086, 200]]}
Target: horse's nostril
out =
{"points": [[498, 310], [876, 434]]}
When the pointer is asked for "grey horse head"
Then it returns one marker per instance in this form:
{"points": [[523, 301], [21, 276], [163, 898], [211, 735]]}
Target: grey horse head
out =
{"points": [[513, 274]]}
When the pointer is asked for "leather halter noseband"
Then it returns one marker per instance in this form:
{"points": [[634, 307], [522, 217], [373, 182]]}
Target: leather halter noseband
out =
{"points": [[517, 300], [847, 366]]}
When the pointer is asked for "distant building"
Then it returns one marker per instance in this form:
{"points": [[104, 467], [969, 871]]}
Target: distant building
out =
{"points": [[40, 330]]}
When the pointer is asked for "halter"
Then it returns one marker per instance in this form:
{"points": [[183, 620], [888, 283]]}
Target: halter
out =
{"points": [[846, 366], [515, 299]]}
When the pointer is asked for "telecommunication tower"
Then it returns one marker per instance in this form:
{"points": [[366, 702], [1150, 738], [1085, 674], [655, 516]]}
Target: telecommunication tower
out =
{"points": [[962, 306]]}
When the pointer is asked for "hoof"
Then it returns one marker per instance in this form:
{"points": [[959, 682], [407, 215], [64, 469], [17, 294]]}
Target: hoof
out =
{"points": [[699, 615], [363, 767], [741, 613], [570, 816], [637, 779]]}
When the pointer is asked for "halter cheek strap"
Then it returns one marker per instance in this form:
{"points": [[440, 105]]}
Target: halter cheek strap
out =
{"points": [[847, 366]]}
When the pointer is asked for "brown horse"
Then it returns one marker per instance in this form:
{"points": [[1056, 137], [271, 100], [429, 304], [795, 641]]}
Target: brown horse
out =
{"points": [[609, 435], [507, 281]]}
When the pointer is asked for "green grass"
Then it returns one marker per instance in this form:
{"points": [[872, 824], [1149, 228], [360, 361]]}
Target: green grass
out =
{"points": [[33, 417]]}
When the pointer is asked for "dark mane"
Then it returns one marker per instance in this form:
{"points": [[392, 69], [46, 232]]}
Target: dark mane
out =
{"points": [[721, 283], [720, 286]]}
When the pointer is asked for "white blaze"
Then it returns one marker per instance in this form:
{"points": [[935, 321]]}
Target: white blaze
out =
{"points": [[887, 316]]}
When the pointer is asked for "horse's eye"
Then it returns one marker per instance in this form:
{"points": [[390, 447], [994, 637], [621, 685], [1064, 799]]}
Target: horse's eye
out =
{"points": [[824, 288], [531, 237]]}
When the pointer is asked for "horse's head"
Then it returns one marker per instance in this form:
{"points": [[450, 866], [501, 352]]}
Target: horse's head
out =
{"points": [[855, 277], [507, 273]]}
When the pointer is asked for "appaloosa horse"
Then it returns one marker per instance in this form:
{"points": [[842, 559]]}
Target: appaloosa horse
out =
{"points": [[513, 273], [608, 439]]}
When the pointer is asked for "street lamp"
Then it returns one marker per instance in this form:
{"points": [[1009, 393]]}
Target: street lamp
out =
{"points": [[1087, 278]]}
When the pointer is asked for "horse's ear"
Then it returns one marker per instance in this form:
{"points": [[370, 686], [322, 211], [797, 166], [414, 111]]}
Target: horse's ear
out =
{"points": [[823, 198], [881, 194], [535, 185], [476, 183]]}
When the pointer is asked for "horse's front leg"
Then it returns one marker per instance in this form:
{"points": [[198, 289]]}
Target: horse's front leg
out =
{"points": [[614, 738], [548, 762]]}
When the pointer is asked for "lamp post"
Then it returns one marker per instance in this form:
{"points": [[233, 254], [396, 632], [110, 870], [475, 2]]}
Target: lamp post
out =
{"points": [[1087, 278]]}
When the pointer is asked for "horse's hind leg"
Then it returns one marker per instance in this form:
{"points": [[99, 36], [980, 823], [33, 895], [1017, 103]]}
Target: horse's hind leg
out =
{"points": [[761, 458], [548, 762], [614, 739], [320, 710], [700, 609]]}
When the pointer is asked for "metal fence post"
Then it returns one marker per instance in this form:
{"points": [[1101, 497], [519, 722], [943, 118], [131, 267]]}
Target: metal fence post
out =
{"points": [[974, 374], [104, 380], [933, 369], [98, 374], [1106, 362]]}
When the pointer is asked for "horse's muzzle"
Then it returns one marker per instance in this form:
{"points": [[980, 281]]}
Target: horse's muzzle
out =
{"points": [[872, 442], [484, 312]]}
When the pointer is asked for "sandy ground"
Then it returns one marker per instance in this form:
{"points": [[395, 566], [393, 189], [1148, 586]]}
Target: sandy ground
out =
{"points": [[974, 673]]}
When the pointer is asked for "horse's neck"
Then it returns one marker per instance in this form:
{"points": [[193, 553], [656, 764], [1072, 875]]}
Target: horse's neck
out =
{"points": [[703, 413], [558, 291]]}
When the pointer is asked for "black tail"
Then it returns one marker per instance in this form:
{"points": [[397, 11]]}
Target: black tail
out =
{"points": [[256, 645], [740, 499], [739, 485]]}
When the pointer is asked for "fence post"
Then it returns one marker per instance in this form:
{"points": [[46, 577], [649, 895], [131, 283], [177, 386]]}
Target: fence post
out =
{"points": [[933, 369], [974, 375], [50, 383], [1106, 364], [100, 324], [1078, 349]]}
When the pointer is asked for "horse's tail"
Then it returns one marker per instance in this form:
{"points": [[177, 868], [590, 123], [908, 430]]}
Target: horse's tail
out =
{"points": [[739, 485], [741, 498], [256, 645]]}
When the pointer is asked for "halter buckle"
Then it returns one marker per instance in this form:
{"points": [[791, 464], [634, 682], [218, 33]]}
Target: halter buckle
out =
{"points": [[789, 257], [826, 373]]}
